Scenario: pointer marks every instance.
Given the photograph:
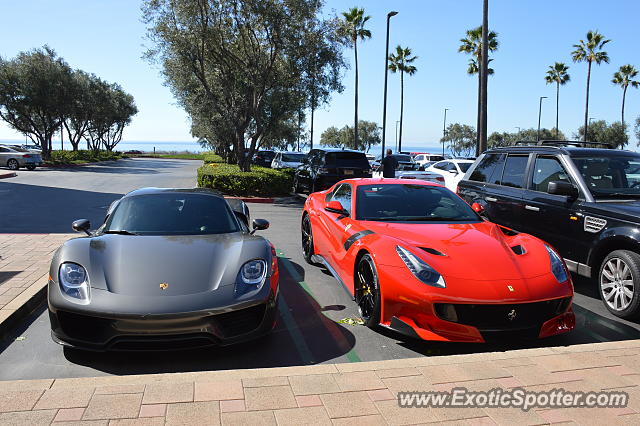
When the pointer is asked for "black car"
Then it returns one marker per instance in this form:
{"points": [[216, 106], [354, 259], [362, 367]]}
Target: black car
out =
{"points": [[323, 167], [264, 158], [583, 201], [405, 162]]}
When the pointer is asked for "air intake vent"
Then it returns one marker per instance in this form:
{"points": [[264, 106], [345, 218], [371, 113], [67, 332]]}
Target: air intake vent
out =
{"points": [[432, 251], [594, 224], [508, 232], [519, 250]]}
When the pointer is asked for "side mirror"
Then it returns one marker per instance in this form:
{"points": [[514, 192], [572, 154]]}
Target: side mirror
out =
{"points": [[260, 225], [477, 207], [81, 225], [563, 188], [335, 207]]}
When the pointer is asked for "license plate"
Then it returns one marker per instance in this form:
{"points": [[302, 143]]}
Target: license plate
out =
{"points": [[348, 172]]}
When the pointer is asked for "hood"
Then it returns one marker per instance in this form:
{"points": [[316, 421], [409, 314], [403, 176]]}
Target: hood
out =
{"points": [[623, 209], [472, 251], [137, 265]]}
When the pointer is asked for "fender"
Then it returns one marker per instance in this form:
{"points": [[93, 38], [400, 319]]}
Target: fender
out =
{"points": [[610, 239]]}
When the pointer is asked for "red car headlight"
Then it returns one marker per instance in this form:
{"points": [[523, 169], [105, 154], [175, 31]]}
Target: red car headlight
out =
{"points": [[421, 269]]}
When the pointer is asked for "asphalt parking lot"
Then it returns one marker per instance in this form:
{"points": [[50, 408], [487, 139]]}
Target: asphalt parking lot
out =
{"points": [[314, 310]]}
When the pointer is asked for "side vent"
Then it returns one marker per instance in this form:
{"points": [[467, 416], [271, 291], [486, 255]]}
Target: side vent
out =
{"points": [[594, 224], [432, 251], [519, 250], [508, 232]]}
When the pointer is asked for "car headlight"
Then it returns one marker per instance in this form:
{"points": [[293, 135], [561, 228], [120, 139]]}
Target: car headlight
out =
{"points": [[420, 268], [253, 272], [74, 281], [557, 267]]}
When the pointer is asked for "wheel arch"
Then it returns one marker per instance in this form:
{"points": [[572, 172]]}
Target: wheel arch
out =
{"points": [[606, 246]]}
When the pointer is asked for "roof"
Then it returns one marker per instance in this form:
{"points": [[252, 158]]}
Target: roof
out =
{"points": [[152, 190], [329, 149], [388, 181], [568, 150], [291, 152]]}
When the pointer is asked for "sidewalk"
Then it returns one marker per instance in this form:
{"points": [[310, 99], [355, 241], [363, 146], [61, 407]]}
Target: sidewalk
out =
{"points": [[339, 394]]}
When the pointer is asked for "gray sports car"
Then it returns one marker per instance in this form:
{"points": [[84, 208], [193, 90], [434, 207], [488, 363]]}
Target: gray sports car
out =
{"points": [[168, 268]]}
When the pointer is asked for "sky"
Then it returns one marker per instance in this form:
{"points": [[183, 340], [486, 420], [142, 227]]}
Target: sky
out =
{"points": [[108, 38]]}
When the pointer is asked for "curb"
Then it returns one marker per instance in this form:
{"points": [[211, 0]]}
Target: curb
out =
{"points": [[21, 307], [8, 175]]}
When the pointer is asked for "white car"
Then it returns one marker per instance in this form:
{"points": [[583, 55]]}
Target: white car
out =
{"points": [[427, 159], [452, 171], [287, 160]]}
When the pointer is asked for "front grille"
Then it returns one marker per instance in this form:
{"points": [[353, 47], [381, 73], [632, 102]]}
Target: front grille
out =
{"points": [[504, 316], [162, 343], [241, 321]]}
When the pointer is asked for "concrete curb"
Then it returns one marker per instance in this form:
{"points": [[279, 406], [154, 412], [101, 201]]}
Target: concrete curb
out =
{"points": [[22, 306], [8, 175]]}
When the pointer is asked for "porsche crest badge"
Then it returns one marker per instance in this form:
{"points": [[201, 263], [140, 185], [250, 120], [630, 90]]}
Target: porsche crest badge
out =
{"points": [[164, 286]]}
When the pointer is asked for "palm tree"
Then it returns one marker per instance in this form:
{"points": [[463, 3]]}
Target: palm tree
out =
{"points": [[590, 51], [624, 78], [355, 21], [557, 73], [400, 62], [472, 44]]}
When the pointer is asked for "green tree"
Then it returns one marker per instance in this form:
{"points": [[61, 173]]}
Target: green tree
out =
{"points": [[344, 137], [557, 73], [472, 45], [354, 29], [462, 139], [614, 134], [401, 62], [624, 78], [497, 139], [637, 128], [35, 94], [590, 51]]}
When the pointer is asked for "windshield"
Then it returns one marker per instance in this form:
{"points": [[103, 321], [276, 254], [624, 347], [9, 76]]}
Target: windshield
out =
{"points": [[172, 214], [346, 159], [464, 166], [404, 158], [612, 175], [411, 203], [292, 158]]}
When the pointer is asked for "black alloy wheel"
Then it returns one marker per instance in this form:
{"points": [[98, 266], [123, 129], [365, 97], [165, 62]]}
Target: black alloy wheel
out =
{"points": [[307, 239], [368, 291]]}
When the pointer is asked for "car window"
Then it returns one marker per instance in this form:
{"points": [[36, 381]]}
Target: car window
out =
{"points": [[411, 203], [548, 169], [347, 159], [343, 194], [419, 157], [173, 213], [611, 175], [483, 170], [442, 165], [292, 158], [464, 167], [2, 149], [451, 167], [514, 169]]}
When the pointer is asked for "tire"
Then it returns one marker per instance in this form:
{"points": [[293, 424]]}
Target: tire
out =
{"points": [[31, 167], [619, 283], [368, 291], [306, 234], [296, 186], [12, 164]]}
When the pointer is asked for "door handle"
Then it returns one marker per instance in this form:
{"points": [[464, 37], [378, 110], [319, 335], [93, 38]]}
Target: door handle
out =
{"points": [[491, 199], [532, 208]]}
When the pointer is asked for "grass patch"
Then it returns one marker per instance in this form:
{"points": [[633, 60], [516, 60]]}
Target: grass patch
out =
{"points": [[207, 157], [260, 181]]}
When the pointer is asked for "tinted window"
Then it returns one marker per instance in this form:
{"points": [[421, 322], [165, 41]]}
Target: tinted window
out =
{"points": [[172, 214], [343, 194], [436, 158], [464, 166], [292, 158], [609, 175], [404, 158], [485, 169], [411, 203], [548, 169], [442, 165], [514, 170], [347, 159]]}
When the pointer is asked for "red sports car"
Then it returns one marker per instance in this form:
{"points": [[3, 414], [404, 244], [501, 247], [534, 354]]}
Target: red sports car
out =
{"points": [[417, 259]]}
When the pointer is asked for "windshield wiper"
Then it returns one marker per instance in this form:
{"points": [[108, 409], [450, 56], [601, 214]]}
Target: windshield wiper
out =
{"points": [[120, 232]]}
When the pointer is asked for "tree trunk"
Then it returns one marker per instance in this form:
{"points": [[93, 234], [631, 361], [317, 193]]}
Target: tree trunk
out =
{"points": [[557, 106], [311, 140], [355, 119], [624, 95], [401, 109], [478, 114], [484, 77], [586, 108]]}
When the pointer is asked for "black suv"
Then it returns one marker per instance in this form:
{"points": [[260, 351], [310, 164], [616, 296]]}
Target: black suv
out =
{"points": [[323, 167], [264, 158], [584, 201]]}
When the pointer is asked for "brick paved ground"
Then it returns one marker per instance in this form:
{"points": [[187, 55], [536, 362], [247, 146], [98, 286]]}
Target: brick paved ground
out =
{"points": [[340, 394], [24, 267]]}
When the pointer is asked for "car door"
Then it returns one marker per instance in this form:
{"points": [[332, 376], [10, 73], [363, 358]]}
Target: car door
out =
{"points": [[4, 156], [504, 193], [548, 216], [337, 225]]}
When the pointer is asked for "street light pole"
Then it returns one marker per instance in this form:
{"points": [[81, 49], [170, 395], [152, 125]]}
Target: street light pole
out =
{"points": [[386, 72], [539, 116], [444, 129], [396, 146]]}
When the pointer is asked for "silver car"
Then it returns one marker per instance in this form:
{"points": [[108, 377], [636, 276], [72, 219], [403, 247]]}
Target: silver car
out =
{"points": [[14, 158]]}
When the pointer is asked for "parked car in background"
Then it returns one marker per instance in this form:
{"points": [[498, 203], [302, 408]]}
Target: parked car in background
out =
{"points": [[370, 158], [583, 201], [263, 158], [452, 170], [34, 148], [405, 162], [323, 167], [425, 160], [15, 157], [287, 160]]}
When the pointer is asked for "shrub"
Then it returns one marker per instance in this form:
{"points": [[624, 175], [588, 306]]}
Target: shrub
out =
{"points": [[82, 156], [229, 180], [210, 157]]}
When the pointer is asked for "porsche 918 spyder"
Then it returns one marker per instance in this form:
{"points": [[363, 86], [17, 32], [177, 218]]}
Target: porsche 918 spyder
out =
{"points": [[417, 259], [168, 268]]}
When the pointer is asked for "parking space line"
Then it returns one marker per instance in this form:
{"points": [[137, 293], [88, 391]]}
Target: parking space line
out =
{"points": [[351, 354]]}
